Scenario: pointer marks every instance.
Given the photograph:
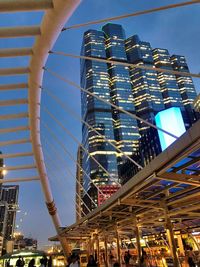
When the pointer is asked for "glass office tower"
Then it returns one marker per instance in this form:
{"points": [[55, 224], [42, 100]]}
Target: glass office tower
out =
{"points": [[187, 89], [95, 79], [113, 84], [140, 91], [8, 207], [125, 127], [147, 93], [155, 91]]}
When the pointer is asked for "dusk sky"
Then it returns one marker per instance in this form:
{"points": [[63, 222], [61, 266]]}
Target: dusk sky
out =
{"points": [[177, 30]]}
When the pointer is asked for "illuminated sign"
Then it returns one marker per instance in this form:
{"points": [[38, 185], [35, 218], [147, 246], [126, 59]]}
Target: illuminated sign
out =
{"points": [[170, 120], [106, 192]]}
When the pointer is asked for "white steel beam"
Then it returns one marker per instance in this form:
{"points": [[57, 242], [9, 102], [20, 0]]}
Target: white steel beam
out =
{"points": [[13, 71], [26, 31], [14, 129], [13, 102], [57, 18], [16, 155], [15, 180], [13, 86], [14, 116], [19, 167], [15, 52], [14, 142], [24, 5]]}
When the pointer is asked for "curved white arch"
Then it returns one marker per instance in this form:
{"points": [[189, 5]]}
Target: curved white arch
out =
{"points": [[52, 24]]}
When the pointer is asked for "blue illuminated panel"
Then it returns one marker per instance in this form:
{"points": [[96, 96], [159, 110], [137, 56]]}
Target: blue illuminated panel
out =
{"points": [[170, 120]]}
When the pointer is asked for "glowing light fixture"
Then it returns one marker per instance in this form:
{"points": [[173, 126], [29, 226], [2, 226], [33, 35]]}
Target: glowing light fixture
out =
{"points": [[4, 172]]}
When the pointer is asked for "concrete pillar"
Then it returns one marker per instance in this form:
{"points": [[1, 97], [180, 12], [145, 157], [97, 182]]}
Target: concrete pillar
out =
{"points": [[118, 247]]}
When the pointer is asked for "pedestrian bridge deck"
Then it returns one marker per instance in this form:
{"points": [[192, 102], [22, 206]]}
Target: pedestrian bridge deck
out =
{"points": [[168, 186]]}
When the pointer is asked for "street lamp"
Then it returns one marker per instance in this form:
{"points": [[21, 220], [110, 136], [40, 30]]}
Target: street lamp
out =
{"points": [[4, 172]]}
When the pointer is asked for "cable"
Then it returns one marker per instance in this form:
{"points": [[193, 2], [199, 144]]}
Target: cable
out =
{"points": [[153, 10], [52, 163], [107, 102], [58, 101], [70, 155], [48, 167], [126, 64], [76, 140], [67, 168]]}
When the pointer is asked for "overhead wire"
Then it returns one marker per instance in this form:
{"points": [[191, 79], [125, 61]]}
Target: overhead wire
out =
{"points": [[126, 64], [135, 14], [68, 110], [107, 102], [77, 141], [67, 168], [52, 180], [76, 204], [70, 156]]}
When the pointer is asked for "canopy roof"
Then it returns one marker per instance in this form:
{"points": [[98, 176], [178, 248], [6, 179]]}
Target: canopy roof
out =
{"points": [[170, 185]]}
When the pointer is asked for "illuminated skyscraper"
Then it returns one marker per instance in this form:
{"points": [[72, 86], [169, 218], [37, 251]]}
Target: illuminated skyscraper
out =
{"points": [[95, 78], [8, 208], [139, 91], [187, 89], [79, 184], [112, 83], [147, 93], [125, 127], [155, 91]]}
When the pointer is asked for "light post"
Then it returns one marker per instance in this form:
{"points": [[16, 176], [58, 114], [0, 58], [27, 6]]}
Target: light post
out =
{"points": [[4, 172]]}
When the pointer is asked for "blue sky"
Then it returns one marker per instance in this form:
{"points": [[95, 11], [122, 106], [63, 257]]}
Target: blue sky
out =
{"points": [[177, 30]]}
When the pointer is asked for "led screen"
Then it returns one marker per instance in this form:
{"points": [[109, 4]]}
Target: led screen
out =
{"points": [[170, 120]]}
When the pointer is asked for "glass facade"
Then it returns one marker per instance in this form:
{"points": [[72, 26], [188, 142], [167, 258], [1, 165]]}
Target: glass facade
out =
{"points": [[8, 207], [95, 79], [125, 127], [169, 87], [139, 91], [186, 87], [147, 93]]}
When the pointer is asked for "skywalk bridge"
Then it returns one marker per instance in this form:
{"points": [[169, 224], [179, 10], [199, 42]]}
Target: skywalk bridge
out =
{"points": [[164, 194]]}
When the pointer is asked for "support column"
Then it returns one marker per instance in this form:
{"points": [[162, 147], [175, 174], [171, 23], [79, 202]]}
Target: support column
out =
{"points": [[172, 243], [139, 249], [92, 246], [195, 241], [98, 249], [89, 247], [106, 251], [180, 245], [65, 245], [118, 247]]}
